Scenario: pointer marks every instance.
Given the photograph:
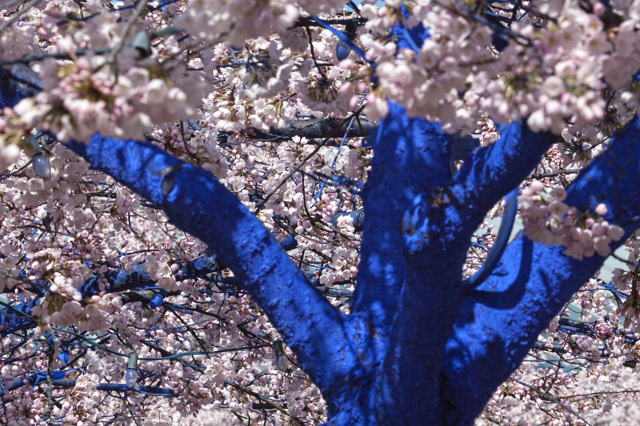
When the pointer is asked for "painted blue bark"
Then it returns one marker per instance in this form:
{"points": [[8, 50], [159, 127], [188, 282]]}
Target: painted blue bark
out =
{"points": [[198, 203], [419, 346], [499, 322], [409, 308]]}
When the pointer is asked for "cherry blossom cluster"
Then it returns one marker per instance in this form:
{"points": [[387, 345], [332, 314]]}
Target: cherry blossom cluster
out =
{"points": [[18, 42], [549, 220], [237, 21], [557, 69], [83, 97], [488, 132], [120, 94]]}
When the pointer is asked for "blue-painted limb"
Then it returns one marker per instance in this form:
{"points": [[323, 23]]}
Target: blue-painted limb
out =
{"points": [[18, 81], [57, 381], [198, 203], [569, 326], [408, 38], [118, 280], [492, 172], [411, 159], [16, 384], [18, 317], [289, 243], [508, 219], [343, 38], [499, 322], [34, 379], [410, 168], [463, 146]]}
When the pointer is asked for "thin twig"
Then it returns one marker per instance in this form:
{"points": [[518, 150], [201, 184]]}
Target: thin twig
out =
{"points": [[556, 173], [581, 395], [313, 55], [263, 399], [101, 212], [125, 33], [307, 158], [49, 411], [547, 397], [18, 14]]}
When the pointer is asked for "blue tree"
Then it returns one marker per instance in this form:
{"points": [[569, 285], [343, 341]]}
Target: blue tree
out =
{"points": [[422, 345]]}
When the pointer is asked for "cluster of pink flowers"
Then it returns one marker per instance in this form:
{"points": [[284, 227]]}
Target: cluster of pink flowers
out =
{"points": [[561, 71], [236, 21], [84, 97], [18, 42], [122, 95], [549, 220]]}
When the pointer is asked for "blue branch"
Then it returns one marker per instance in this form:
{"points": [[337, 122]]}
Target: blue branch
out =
{"points": [[17, 318], [508, 219], [19, 81], [196, 202], [500, 321], [58, 381], [492, 172], [343, 38]]}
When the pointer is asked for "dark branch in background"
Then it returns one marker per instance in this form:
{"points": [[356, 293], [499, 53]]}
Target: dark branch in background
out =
{"points": [[264, 400], [553, 174], [313, 54], [335, 132], [547, 397], [81, 52], [309, 22], [316, 128]]}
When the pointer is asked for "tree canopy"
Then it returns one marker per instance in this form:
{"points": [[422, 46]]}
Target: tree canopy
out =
{"points": [[240, 212]]}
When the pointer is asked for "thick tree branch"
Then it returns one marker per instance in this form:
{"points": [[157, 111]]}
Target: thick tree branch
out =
{"points": [[411, 161], [315, 128], [493, 171], [196, 202], [500, 322]]}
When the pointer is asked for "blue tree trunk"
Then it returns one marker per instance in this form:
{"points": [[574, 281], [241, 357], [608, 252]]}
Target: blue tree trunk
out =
{"points": [[420, 346]]}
